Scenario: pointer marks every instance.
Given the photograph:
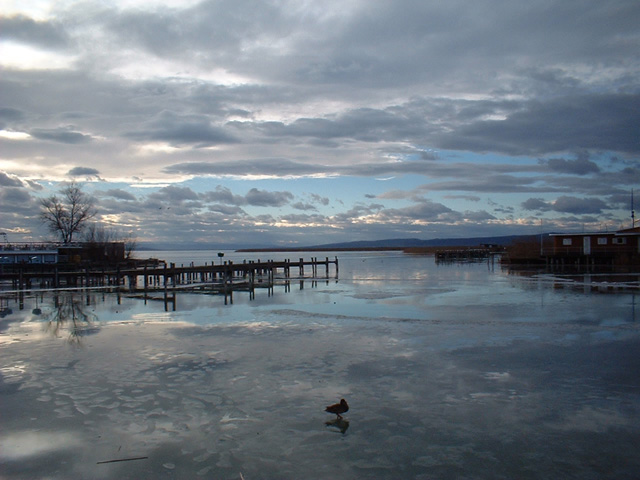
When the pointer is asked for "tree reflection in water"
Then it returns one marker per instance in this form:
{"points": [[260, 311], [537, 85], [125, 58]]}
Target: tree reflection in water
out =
{"points": [[70, 315]]}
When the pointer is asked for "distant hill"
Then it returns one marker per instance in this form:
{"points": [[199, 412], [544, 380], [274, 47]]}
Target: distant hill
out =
{"points": [[401, 243], [387, 244], [435, 242]]}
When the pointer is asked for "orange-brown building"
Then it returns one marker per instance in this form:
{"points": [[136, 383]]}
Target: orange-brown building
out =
{"points": [[621, 247]]}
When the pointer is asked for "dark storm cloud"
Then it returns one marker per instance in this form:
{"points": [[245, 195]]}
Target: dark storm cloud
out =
{"points": [[21, 28], [61, 135]]}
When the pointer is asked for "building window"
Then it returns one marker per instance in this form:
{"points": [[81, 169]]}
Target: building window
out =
{"points": [[566, 241], [602, 241], [620, 241]]}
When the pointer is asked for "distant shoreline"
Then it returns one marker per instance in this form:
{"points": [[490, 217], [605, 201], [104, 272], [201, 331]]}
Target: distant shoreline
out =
{"points": [[412, 250], [318, 249]]}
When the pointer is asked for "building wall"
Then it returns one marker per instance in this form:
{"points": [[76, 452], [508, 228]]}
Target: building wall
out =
{"points": [[594, 244]]}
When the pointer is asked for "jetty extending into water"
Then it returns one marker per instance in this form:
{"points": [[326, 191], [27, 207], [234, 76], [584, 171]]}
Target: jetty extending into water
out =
{"points": [[160, 275]]}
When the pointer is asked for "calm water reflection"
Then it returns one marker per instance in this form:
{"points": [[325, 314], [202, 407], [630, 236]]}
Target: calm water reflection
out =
{"points": [[450, 371]]}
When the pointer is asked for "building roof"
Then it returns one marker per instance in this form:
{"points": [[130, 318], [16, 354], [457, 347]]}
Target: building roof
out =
{"points": [[623, 232], [582, 234], [629, 231]]}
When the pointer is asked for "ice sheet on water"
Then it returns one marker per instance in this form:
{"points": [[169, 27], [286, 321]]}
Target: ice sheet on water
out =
{"points": [[478, 378]]}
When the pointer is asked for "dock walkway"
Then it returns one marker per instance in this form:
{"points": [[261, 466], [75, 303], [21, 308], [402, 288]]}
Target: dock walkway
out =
{"points": [[166, 276]]}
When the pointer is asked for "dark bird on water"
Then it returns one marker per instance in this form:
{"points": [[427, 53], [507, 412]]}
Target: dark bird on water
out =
{"points": [[338, 408]]}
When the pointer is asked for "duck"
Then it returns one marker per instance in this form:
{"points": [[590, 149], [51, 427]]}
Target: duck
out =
{"points": [[338, 408]]}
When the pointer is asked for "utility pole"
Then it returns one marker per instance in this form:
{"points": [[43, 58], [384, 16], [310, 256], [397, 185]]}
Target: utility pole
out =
{"points": [[633, 213]]}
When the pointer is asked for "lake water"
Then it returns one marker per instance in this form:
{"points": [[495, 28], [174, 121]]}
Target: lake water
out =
{"points": [[455, 371]]}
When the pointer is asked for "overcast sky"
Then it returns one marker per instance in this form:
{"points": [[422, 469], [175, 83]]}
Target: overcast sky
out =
{"points": [[300, 122]]}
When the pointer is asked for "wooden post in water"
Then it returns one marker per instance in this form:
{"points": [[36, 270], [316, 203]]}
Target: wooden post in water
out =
{"points": [[165, 277]]}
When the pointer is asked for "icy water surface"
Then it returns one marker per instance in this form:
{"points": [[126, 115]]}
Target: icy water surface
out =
{"points": [[451, 372]]}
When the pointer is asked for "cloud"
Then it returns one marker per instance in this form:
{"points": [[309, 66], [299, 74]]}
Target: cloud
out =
{"points": [[10, 116], [173, 194], [579, 166], [9, 181], [303, 206], [596, 121], [319, 199], [83, 171], [292, 103], [579, 206], [61, 135], [20, 28], [268, 167], [223, 195], [263, 198], [478, 216], [180, 130], [120, 194], [567, 204], [536, 204]]}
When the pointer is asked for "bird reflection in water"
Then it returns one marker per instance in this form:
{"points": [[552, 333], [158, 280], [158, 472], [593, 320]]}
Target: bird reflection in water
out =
{"points": [[339, 424]]}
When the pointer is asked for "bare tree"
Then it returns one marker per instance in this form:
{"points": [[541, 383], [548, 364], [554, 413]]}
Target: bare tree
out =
{"points": [[97, 234], [130, 244], [67, 215]]}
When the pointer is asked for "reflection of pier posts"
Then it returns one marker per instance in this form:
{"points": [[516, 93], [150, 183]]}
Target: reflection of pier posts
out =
{"points": [[252, 288], [165, 277], [168, 299]]}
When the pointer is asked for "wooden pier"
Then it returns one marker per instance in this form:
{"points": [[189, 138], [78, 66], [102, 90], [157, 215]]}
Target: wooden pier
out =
{"points": [[225, 276]]}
